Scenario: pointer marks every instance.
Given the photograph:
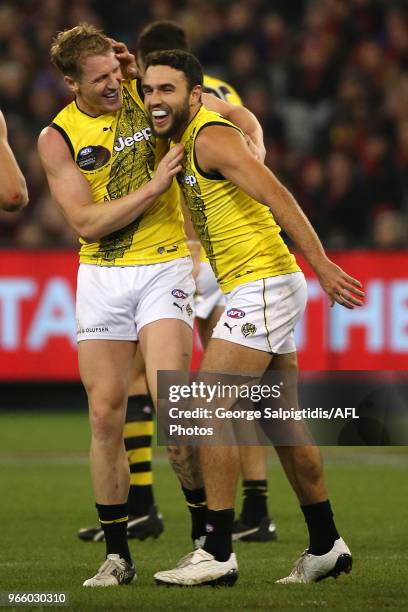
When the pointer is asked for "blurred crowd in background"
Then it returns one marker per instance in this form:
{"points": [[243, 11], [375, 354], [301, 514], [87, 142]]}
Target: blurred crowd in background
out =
{"points": [[327, 79]]}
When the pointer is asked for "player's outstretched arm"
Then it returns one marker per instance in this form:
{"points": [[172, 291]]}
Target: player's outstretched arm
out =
{"points": [[71, 190], [223, 149], [242, 118], [13, 188]]}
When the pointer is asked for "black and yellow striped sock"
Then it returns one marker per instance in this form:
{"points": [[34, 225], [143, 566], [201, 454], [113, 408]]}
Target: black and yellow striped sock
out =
{"points": [[113, 519], [254, 507], [138, 434], [197, 505]]}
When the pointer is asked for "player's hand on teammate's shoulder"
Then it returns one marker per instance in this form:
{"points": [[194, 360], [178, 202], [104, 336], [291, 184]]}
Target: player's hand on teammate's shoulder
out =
{"points": [[169, 166], [341, 288], [128, 64]]}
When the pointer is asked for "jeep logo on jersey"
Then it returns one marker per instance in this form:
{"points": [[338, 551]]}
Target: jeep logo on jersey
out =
{"points": [[179, 293], [235, 313], [129, 141], [190, 180], [92, 158]]}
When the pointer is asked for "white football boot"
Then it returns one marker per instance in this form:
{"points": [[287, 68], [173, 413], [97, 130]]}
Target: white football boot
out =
{"points": [[113, 572], [313, 568], [199, 568]]}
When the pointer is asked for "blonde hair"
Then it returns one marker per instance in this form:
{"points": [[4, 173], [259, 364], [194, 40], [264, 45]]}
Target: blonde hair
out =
{"points": [[71, 48]]}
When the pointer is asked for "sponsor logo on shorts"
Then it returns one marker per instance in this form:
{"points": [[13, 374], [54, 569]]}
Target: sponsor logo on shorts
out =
{"points": [[230, 327], [189, 310], [92, 157], [93, 330], [178, 306], [179, 294], [235, 313], [248, 329]]}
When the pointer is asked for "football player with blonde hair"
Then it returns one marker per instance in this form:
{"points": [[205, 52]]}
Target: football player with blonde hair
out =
{"points": [[114, 183]]}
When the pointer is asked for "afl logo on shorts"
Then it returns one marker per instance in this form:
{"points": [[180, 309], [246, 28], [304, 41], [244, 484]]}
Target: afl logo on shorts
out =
{"points": [[92, 158], [178, 293], [235, 313]]}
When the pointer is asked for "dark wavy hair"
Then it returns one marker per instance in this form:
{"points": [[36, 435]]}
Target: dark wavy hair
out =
{"points": [[179, 60]]}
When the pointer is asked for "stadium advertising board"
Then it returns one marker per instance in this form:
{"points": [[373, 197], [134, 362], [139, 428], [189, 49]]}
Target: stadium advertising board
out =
{"points": [[38, 327]]}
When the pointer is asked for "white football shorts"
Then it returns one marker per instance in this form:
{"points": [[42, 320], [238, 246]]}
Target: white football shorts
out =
{"points": [[263, 314], [114, 303], [209, 294]]}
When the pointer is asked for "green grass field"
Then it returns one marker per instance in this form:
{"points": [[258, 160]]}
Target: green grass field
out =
{"points": [[46, 496]]}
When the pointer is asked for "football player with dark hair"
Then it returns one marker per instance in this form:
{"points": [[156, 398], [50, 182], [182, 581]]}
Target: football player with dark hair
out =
{"points": [[238, 208]]}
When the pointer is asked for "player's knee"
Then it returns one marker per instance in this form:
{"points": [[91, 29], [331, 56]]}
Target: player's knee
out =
{"points": [[105, 429], [107, 422]]}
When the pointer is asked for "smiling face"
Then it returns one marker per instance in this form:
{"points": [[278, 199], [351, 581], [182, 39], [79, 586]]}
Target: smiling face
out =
{"points": [[168, 101], [98, 90]]}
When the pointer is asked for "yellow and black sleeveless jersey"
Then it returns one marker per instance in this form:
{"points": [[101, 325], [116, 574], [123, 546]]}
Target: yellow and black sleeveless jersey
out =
{"points": [[240, 236], [221, 89], [116, 154]]}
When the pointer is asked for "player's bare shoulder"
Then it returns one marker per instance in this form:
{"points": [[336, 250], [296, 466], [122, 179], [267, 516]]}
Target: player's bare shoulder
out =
{"points": [[217, 143], [68, 187], [212, 134], [52, 148]]}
